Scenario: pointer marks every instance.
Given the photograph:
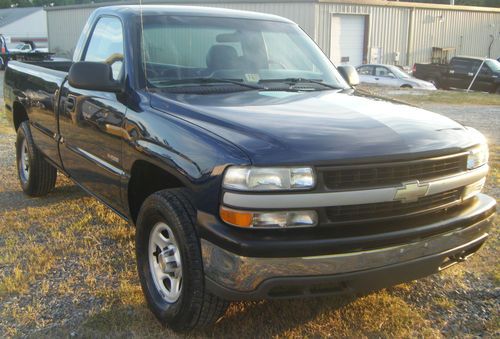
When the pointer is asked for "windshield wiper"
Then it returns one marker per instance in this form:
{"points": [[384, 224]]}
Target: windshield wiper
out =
{"points": [[294, 81], [202, 80]]}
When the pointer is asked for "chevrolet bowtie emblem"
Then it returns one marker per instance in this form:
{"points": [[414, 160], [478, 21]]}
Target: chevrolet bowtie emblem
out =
{"points": [[411, 191]]}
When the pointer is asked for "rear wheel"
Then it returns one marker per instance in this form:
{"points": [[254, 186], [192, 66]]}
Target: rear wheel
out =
{"points": [[433, 81], [36, 175], [170, 265]]}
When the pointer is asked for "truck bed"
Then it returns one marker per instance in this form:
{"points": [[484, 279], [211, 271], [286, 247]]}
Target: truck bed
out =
{"points": [[62, 66]]}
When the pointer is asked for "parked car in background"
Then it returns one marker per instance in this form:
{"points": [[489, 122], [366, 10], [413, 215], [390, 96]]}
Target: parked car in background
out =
{"points": [[460, 72], [388, 75], [23, 47]]}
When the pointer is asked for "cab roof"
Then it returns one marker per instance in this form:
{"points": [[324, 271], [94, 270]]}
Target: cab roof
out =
{"points": [[135, 10]]}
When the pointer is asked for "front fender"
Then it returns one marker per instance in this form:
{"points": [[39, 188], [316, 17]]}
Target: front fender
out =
{"points": [[193, 155]]}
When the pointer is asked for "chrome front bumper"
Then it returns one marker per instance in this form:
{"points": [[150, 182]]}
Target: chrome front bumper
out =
{"points": [[244, 274]]}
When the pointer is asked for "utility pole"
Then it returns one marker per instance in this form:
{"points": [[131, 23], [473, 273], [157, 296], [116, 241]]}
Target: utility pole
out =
{"points": [[452, 2]]}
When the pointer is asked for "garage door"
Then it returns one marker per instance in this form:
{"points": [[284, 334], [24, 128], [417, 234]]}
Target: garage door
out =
{"points": [[347, 39]]}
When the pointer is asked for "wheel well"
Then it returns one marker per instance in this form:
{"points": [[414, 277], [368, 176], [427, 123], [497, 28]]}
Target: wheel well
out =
{"points": [[406, 86], [146, 179], [19, 114]]}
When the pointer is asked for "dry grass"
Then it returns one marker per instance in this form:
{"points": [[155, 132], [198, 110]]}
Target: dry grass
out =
{"points": [[67, 266], [5, 127]]}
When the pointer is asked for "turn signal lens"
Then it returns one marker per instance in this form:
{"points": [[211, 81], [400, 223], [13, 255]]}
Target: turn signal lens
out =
{"points": [[236, 218], [282, 219], [473, 189]]}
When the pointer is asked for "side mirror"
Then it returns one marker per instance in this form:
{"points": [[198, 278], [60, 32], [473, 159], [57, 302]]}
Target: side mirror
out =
{"points": [[349, 74], [95, 76]]}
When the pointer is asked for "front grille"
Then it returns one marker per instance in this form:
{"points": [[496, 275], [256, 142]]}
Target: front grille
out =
{"points": [[389, 174], [353, 213]]}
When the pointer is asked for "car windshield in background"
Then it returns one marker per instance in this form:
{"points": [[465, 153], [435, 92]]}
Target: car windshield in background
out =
{"points": [[399, 73], [182, 52], [493, 65]]}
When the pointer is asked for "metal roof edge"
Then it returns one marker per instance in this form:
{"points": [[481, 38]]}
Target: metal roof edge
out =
{"points": [[347, 2], [417, 5], [168, 2]]}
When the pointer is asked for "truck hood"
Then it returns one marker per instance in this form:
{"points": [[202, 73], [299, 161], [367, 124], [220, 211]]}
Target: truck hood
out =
{"points": [[320, 127]]}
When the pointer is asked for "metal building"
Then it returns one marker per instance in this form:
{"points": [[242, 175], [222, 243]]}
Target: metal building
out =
{"points": [[349, 31], [25, 23]]}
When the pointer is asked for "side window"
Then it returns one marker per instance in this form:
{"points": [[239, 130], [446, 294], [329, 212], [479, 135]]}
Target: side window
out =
{"points": [[460, 66], [485, 70], [106, 44], [474, 66], [383, 72], [365, 70]]}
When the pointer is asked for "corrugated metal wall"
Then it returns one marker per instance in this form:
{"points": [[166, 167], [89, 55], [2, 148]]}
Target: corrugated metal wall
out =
{"points": [[65, 25], [64, 28], [389, 27], [468, 32]]}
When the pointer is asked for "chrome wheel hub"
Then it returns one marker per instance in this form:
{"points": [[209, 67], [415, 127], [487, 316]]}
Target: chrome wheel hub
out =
{"points": [[165, 262], [25, 161]]}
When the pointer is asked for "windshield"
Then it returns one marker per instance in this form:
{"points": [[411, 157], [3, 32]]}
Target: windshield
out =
{"points": [[399, 73], [493, 65], [183, 51]]}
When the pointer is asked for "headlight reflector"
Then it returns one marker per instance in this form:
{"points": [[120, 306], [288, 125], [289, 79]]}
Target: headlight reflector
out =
{"points": [[280, 219], [478, 156], [268, 179]]}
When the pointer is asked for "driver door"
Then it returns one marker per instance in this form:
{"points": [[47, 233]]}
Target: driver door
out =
{"points": [[384, 77], [90, 121]]}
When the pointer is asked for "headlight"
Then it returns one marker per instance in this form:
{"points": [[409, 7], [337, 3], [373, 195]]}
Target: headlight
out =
{"points": [[269, 179], [280, 219], [478, 156]]}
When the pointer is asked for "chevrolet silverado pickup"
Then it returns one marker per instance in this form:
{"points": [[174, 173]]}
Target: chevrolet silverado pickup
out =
{"points": [[249, 164], [461, 73]]}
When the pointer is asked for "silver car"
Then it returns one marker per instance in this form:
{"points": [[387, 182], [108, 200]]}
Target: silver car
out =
{"points": [[388, 75]]}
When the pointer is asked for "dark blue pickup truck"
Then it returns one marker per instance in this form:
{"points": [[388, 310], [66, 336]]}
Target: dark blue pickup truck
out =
{"points": [[249, 164]]}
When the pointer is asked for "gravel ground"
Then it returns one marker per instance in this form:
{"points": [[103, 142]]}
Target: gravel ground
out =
{"points": [[484, 118], [464, 301]]}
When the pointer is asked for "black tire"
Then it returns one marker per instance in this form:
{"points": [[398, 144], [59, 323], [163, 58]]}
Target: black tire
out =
{"points": [[435, 82], [41, 176], [195, 307], [406, 87]]}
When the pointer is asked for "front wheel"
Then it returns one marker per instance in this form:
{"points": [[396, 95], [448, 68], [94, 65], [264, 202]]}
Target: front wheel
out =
{"points": [[170, 265], [36, 175]]}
